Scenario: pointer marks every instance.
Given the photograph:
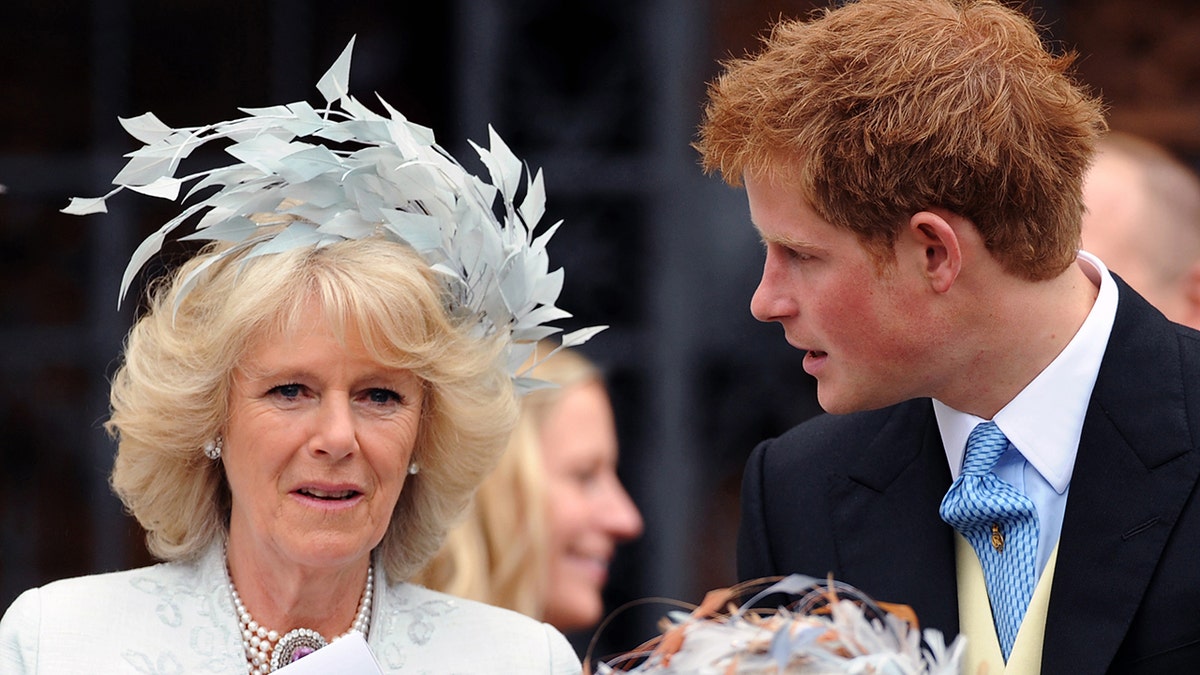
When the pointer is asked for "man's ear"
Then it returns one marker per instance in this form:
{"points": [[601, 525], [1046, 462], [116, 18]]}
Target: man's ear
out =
{"points": [[941, 247]]}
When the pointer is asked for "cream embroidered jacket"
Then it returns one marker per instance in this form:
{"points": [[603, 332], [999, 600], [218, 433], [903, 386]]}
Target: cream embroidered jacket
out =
{"points": [[176, 618]]}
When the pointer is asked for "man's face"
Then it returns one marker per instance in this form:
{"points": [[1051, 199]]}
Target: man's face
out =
{"points": [[860, 328]]}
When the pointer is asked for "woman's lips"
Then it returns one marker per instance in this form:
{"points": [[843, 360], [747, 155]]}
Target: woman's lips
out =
{"points": [[327, 494], [594, 567], [328, 497]]}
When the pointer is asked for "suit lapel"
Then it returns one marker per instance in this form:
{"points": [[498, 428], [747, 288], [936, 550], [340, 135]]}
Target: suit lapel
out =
{"points": [[1137, 465], [891, 543]]}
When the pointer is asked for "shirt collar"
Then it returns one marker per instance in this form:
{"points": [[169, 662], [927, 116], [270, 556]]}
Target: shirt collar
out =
{"points": [[1045, 419]]}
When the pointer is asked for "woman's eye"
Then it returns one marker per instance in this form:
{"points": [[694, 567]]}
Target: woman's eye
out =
{"points": [[289, 391], [383, 396]]}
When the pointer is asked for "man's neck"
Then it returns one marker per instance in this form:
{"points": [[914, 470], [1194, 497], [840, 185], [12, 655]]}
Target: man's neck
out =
{"points": [[1019, 328]]}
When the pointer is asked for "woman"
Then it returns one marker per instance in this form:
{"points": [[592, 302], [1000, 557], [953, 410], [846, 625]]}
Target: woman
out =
{"points": [[305, 405], [545, 523]]}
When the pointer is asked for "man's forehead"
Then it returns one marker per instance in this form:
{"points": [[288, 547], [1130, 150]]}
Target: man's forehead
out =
{"points": [[774, 205]]}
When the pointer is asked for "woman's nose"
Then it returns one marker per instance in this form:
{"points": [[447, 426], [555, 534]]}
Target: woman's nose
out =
{"points": [[335, 435], [621, 517]]}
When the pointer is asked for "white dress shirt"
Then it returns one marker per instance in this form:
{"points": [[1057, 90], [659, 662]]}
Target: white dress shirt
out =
{"points": [[1044, 421]]}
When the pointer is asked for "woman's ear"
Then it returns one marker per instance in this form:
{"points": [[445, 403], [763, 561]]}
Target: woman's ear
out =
{"points": [[940, 246]]}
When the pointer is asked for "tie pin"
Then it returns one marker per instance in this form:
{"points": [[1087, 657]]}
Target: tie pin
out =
{"points": [[997, 538]]}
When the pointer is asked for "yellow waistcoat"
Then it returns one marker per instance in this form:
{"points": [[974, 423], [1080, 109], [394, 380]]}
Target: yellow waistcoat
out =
{"points": [[983, 656]]}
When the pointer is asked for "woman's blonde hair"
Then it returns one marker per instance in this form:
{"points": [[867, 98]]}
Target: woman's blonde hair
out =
{"points": [[498, 554], [170, 394]]}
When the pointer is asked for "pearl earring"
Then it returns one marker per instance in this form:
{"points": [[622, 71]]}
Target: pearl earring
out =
{"points": [[212, 449], [413, 468]]}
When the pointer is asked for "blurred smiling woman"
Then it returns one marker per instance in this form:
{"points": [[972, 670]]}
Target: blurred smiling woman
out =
{"points": [[546, 523]]}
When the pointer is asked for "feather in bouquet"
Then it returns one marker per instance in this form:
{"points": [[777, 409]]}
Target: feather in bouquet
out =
{"points": [[832, 629]]}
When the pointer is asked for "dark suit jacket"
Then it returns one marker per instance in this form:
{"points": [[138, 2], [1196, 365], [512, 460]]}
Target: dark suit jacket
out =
{"points": [[857, 496]]}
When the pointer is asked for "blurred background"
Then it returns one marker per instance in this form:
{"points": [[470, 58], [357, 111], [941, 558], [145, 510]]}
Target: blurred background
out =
{"points": [[604, 96]]}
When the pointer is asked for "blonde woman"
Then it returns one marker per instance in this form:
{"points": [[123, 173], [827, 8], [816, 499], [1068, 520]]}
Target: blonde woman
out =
{"points": [[305, 407], [546, 522]]}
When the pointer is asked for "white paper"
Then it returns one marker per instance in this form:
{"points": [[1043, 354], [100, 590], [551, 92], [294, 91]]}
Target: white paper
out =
{"points": [[348, 655]]}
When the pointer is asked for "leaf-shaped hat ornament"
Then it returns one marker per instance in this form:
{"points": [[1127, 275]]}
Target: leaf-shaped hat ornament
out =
{"points": [[383, 175]]}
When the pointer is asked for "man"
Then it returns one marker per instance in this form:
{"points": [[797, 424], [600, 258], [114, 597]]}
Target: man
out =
{"points": [[1143, 220], [915, 170]]}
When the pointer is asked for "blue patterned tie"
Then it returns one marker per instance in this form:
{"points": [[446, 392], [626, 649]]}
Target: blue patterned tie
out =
{"points": [[1002, 526]]}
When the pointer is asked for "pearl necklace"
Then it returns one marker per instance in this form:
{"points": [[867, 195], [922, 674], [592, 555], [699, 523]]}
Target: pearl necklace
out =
{"points": [[259, 643]]}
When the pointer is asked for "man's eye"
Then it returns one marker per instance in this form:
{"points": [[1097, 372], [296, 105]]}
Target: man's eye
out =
{"points": [[788, 253]]}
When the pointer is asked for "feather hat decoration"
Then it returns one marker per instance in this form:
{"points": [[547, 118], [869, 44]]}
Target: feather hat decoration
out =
{"points": [[346, 172]]}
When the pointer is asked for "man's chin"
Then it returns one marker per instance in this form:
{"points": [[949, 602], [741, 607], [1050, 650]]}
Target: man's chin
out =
{"points": [[838, 401], [831, 401]]}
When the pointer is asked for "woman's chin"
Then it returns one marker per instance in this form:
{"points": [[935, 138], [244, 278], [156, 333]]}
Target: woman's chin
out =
{"points": [[328, 534], [329, 554], [312, 548], [577, 608], [572, 619]]}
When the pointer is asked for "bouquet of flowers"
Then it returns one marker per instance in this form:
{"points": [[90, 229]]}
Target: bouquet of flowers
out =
{"points": [[832, 629]]}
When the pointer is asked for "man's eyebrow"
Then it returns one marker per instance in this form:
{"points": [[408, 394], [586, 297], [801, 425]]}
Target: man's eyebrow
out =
{"points": [[785, 240]]}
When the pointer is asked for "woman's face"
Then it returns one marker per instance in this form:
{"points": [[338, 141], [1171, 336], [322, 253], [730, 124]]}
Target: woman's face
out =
{"points": [[589, 511], [317, 448]]}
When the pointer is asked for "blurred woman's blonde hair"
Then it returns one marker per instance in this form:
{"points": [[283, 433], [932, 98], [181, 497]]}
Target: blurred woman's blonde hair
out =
{"points": [[498, 553]]}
